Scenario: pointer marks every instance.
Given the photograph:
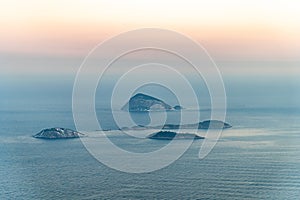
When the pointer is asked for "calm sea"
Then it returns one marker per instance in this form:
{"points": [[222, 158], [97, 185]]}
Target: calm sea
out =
{"points": [[259, 158]]}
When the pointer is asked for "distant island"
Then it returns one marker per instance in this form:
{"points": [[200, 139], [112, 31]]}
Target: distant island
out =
{"points": [[165, 133], [178, 107], [145, 103], [212, 124], [207, 124], [170, 135], [57, 133]]}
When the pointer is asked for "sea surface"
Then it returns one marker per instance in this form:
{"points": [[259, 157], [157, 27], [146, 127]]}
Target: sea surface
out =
{"points": [[259, 158]]}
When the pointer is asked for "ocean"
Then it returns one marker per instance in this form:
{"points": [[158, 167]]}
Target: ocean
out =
{"points": [[258, 158]]}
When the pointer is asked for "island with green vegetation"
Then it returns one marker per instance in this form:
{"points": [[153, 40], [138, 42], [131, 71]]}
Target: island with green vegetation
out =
{"points": [[207, 124], [170, 135], [145, 103]]}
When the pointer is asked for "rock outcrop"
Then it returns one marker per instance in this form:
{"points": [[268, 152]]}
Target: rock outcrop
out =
{"points": [[57, 133], [178, 107], [213, 124]]}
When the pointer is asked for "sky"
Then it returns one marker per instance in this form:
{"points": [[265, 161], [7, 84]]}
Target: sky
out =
{"points": [[241, 36], [44, 42]]}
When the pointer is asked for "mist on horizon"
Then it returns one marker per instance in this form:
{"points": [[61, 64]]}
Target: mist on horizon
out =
{"points": [[254, 45]]}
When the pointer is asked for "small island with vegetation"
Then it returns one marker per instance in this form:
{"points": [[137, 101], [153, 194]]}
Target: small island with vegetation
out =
{"points": [[145, 103], [207, 124], [170, 135]]}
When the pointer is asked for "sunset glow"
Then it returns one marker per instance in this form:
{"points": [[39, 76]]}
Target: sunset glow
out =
{"points": [[229, 29]]}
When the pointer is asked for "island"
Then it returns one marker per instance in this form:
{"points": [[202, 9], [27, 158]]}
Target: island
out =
{"points": [[145, 103], [57, 133], [178, 107], [213, 124], [207, 124], [170, 135]]}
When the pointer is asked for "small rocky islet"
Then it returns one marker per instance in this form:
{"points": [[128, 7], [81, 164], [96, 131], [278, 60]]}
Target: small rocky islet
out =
{"points": [[58, 133], [170, 135], [207, 124]]}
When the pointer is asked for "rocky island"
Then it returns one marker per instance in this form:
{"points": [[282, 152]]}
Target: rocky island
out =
{"points": [[178, 107], [207, 124], [57, 133], [213, 124], [170, 135], [145, 103]]}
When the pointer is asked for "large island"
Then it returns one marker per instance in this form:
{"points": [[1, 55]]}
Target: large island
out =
{"points": [[145, 103]]}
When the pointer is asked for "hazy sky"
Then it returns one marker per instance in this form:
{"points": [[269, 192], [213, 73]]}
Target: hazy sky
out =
{"points": [[57, 31]]}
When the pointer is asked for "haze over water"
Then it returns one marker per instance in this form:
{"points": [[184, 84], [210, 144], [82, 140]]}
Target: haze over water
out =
{"points": [[255, 46], [257, 158]]}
